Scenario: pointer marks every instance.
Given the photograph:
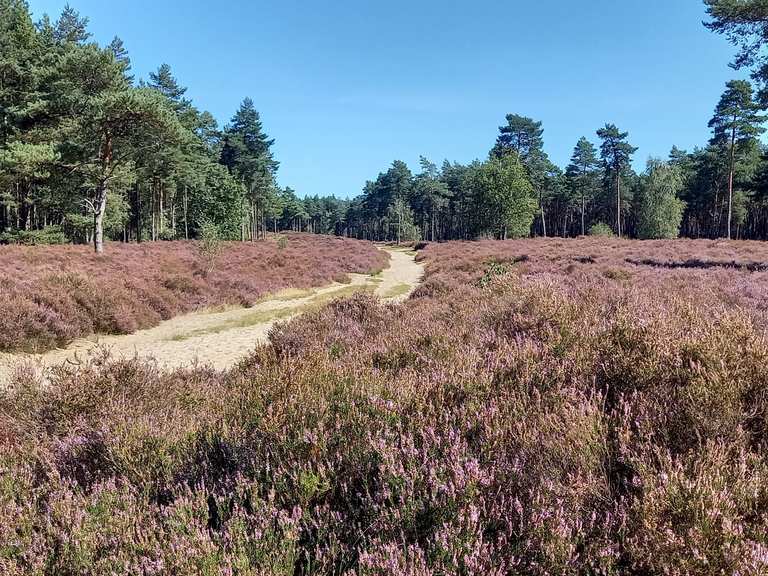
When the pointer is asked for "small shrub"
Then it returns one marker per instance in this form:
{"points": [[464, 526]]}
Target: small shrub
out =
{"points": [[209, 247], [167, 234], [493, 271], [617, 274], [601, 229], [48, 235]]}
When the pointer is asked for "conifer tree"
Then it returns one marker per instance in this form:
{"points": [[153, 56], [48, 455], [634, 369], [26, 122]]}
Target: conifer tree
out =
{"points": [[735, 125], [582, 175], [616, 154]]}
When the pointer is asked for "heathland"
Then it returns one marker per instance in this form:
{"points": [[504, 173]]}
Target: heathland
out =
{"points": [[52, 295], [582, 405], [592, 406]]}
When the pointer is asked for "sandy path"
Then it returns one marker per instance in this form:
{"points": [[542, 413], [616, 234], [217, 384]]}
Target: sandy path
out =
{"points": [[221, 338]]}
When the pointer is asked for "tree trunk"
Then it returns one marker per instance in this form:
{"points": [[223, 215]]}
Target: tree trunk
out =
{"points": [[399, 222], [583, 209], [186, 204], [618, 203], [252, 217], [161, 210], [138, 214], [100, 207], [730, 179]]}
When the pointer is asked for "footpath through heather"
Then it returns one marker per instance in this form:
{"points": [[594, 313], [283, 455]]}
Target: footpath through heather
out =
{"points": [[220, 338]]}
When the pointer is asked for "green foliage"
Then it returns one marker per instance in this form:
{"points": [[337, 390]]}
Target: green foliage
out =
{"points": [[493, 271], [209, 247], [48, 235], [504, 196], [616, 154], [76, 134], [400, 218], [735, 127], [522, 136], [736, 120], [615, 151], [659, 209], [600, 229], [743, 23], [582, 176]]}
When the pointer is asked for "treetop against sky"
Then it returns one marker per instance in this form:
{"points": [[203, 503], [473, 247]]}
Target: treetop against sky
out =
{"points": [[346, 87]]}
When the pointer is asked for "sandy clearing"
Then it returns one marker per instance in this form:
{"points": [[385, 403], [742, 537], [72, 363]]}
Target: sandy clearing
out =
{"points": [[222, 338]]}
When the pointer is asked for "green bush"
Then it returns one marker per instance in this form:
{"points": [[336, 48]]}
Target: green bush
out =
{"points": [[48, 235], [209, 247], [600, 229]]}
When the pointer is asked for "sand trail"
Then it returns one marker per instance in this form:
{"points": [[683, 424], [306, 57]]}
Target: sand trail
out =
{"points": [[220, 338]]}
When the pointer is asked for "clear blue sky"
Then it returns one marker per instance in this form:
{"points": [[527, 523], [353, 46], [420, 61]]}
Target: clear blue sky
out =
{"points": [[346, 87]]}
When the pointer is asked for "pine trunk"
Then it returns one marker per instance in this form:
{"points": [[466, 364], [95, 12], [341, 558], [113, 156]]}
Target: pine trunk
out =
{"points": [[100, 207], [731, 164], [618, 203]]}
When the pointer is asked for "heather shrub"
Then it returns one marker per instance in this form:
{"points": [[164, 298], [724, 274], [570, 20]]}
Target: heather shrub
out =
{"points": [[549, 422], [54, 294]]}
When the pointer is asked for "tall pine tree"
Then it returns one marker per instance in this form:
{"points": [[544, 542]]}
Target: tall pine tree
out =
{"points": [[736, 124], [616, 154]]}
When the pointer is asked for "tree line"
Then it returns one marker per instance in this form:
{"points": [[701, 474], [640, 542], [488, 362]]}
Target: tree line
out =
{"points": [[88, 152], [718, 190]]}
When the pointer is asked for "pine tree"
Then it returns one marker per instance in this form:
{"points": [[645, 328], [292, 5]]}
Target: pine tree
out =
{"points": [[247, 153], [582, 174], [164, 82], [70, 27], [523, 137], [743, 22], [735, 124], [616, 154]]}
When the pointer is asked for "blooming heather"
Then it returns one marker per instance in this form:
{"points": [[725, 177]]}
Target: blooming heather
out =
{"points": [[535, 408], [52, 294]]}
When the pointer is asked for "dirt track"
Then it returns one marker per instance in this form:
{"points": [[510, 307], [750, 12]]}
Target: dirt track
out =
{"points": [[221, 338]]}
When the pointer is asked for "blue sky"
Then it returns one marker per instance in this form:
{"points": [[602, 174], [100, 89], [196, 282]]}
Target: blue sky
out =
{"points": [[346, 87]]}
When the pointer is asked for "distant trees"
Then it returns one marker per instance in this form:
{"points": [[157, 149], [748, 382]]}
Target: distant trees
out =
{"points": [[246, 151], [485, 198], [504, 197], [524, 137], [687, 194], [88, 152]]}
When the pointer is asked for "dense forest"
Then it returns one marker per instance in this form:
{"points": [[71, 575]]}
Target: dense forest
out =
{"points": [[88, 151]]}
